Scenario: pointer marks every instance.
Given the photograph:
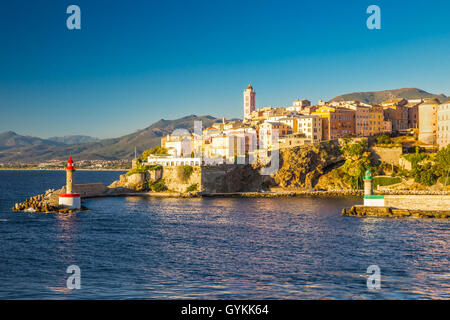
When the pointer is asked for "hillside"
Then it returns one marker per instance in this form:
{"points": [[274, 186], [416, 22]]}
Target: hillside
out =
{"points": [[76, 139], [376, 97], [30, 149]]}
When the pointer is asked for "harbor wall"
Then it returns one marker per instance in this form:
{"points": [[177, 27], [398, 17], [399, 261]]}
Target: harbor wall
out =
{"points": [[87, 189], [418, 202]]}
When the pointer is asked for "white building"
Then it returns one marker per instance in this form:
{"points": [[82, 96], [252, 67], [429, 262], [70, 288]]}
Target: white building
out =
{"points": [[270, 132], [299, 105], [173, 161], [180, 148], [230, 146], [443, 125]]}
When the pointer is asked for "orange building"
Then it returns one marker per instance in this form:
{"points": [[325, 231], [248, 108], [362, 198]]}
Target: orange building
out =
{"points": [[376, 121], [336, 122], [397, 112], [413, 114], [362, 115]]}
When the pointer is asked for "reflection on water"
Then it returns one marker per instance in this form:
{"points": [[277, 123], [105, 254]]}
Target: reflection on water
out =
{"points": [[286, 248]]}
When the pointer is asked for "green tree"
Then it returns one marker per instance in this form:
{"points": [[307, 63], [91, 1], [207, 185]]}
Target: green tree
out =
{"points": [[354, 149], [156, 151], [442, 160], [416, 158], [384, 139], [425, 174]]}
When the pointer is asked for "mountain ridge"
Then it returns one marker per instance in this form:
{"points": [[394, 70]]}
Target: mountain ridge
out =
{"points": [[33, 149], [74, 139], [376, 97]]}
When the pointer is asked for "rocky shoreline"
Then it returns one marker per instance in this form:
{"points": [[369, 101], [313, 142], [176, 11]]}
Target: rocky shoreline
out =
{"points": [[48, 201]]}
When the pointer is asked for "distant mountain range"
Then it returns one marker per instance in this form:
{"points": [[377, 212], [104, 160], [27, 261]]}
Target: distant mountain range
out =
{"points": [[11, 140], [376, 97], [76, 139], [15, 147]]}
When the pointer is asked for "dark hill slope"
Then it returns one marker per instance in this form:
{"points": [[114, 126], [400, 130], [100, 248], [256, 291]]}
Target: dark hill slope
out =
{"points": [[376, 97]]}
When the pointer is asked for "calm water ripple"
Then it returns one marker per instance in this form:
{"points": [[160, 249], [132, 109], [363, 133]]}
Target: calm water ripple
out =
{"points": [[287, 248]]}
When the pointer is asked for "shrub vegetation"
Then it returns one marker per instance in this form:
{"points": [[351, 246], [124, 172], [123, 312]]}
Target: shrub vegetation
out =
{"points": [[385, 181], [192, 188], [185, 172]]}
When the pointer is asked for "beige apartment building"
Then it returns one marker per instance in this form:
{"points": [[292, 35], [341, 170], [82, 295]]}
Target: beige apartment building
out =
{"points": [[443, 125], [428, 122], [310, 126]]}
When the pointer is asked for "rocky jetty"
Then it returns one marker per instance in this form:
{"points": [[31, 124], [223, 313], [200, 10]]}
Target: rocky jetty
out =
{"points": [[43, 203], [367, 211]]}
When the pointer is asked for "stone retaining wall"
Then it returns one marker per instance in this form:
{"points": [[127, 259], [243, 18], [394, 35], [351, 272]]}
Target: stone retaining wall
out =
{"points": [[387, 155], [174, 181]]}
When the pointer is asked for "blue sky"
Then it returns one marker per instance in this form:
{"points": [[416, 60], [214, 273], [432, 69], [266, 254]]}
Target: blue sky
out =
{"points": [[135, 62]]}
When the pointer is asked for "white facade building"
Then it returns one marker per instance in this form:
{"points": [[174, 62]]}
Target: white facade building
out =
{"points": [[173, 161], [443, 125]]}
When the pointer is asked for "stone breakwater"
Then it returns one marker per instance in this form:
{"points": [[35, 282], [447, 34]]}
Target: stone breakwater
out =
{"points": [[366, 211], [287, 193], [43, 203]]}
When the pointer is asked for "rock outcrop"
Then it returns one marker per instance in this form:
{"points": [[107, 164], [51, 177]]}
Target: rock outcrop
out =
{"points": [[137, 181], [233, 178], [301, 167]]}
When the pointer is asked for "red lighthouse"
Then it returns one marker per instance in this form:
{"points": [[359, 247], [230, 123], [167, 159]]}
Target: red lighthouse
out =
{"points": [[69, 199]]}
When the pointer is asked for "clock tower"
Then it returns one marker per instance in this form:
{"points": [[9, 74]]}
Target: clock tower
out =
{"points": [[249, 101]]}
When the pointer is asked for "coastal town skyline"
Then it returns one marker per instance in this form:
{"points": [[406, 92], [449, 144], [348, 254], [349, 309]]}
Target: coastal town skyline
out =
{"points": [[127, 66], [82, 135]]}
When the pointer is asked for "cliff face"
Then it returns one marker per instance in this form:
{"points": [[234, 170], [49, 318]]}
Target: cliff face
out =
{"points": [[231, 178], [301, 167], [175, 180]]}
